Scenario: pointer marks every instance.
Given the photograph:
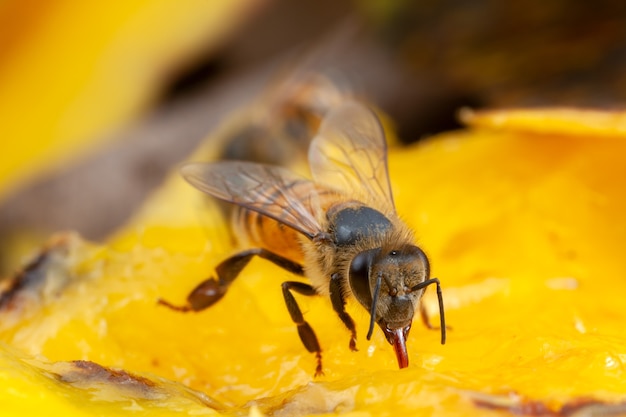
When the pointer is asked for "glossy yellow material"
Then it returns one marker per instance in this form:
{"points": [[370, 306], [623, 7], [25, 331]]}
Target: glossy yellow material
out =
{"points": [[525, 231]]}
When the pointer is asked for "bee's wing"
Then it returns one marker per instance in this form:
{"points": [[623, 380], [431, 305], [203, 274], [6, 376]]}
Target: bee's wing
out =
{"points": [[272, 191], [350, 153]]}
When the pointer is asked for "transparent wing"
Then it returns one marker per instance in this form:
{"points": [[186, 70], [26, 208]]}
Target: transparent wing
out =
{"points": [[350, 153], [272, 191]]}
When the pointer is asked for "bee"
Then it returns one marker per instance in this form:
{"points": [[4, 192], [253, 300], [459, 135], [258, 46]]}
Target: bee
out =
{"points": [[279, 126], [340, 230]]}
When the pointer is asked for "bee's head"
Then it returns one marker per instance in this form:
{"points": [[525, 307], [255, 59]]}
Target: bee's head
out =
{"points": [[384, 281]]}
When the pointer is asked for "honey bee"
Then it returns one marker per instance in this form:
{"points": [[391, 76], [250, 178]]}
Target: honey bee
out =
{"points": [[279, 126], [340, 230]]}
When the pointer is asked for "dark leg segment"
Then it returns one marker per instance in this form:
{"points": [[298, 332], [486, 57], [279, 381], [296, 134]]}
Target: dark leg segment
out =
{"points": [[423, 313], [305, 331], [212, 290], [339, 305]]}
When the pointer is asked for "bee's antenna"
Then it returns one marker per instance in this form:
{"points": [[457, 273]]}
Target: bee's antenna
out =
{"points": [[373, 308]]}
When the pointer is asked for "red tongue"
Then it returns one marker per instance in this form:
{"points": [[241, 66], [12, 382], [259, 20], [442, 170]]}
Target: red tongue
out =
{"points": [[397, 340]]}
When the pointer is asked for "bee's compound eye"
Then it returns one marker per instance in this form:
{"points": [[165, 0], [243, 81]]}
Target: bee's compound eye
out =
{"points": [[359, 276], [360, 265]]}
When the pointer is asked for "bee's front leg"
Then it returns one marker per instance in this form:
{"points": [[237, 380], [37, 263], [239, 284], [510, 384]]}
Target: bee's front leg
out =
{"points": [[424, 313], [338, 300], [212, 290], [307, 335]]}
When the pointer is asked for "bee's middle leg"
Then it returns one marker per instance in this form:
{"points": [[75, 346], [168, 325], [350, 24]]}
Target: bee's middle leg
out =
{"points": [[212, 290], [305, 331], [339, 305]]}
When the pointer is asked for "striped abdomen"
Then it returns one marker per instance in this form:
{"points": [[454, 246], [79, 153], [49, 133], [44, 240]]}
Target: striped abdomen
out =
{"points": [[252, 229]]}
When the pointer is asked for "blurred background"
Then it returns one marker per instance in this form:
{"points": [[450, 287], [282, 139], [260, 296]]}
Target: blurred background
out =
{"points": [[99, 101]]}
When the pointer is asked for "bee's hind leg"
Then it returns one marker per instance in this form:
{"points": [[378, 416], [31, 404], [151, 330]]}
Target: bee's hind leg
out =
{"points": [[307, 335], [212, 290]]}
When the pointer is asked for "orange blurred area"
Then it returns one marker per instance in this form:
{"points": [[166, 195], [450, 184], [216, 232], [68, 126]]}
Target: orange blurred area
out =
{"points": [[72, 73]]}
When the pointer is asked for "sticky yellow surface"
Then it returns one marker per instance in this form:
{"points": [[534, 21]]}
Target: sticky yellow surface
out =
{"points": [[525, 231]]}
